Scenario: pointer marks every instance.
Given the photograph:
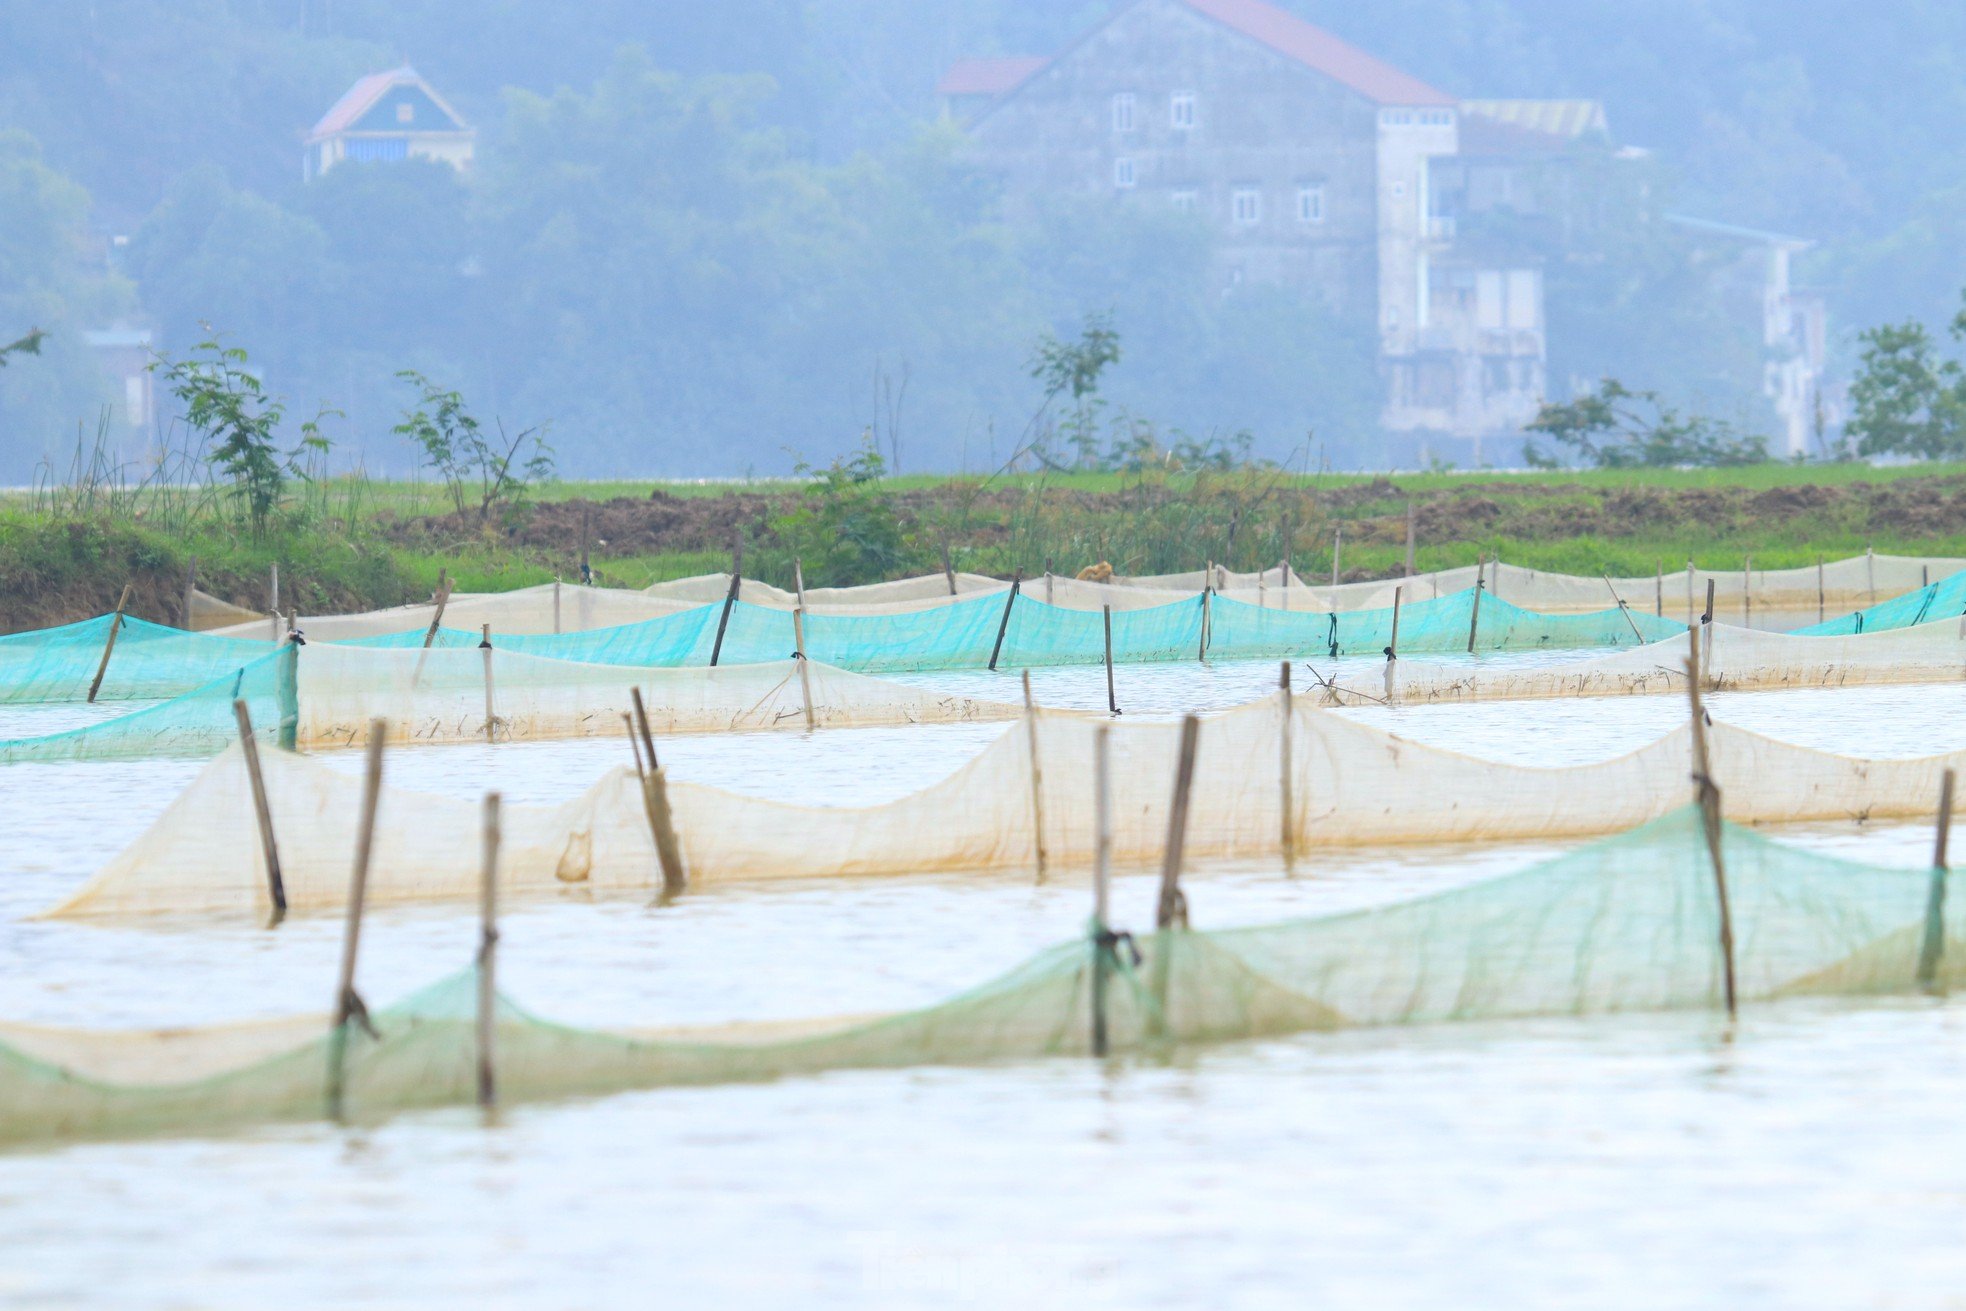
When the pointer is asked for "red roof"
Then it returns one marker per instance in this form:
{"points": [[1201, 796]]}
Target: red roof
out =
{"points": [[1317, 49], [988, 77], [360, 98]]}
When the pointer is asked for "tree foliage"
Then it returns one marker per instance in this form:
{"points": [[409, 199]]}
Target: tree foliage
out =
{"points": [[225, 404], [1905, 399], [1614, 427]]}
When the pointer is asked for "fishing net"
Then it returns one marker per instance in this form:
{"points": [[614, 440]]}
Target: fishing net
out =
{"points": [[1263, 771], [545, 608], [453, 694], [1732, 660], [148, 662], [1629, 924], [195, 723], [1945, 599]]}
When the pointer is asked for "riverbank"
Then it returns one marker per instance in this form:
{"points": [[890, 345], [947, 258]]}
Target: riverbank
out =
{"points": [[353, 545]]}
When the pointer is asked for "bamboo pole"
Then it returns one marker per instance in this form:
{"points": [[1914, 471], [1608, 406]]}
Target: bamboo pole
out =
{"points": [[488, 958], [1409, 539], [662, 825], [586, 537], [1392, 646], [1047, 580], [799, 581], [805, 675], [1932, 949], [109, 643], [556, 607], [1706, 616], [1337, 545], [348, 1006], [1474, 616], [1201, 642], [1707, 793], [1172, 911], [1623, 609], [190, 591], [1870, 571], [1037, 775], [634, 745], [491, 716], [730, 597], [1003, 625], [1285, 789], [443, 599], [1747, 591], [948, 569], [273, 609], [1822, 594], [276, 887], [1102, 878], [1112, 697], [1659, 589]]}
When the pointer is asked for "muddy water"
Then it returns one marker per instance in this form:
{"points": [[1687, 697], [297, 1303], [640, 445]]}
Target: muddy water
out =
{"points": [[1801, 1159]]}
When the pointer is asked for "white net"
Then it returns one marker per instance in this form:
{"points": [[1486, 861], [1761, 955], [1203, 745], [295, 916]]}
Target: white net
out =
{"points": [[1261, 775]]}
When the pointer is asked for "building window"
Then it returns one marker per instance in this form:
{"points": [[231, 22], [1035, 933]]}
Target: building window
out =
{"points": [[1395, 117], [1310, 204], [1525, 296], [1123, 112], [1246, 207], [1183, 202], [1181, 111], [406, 112], [1123, 172], [1437, 117]]}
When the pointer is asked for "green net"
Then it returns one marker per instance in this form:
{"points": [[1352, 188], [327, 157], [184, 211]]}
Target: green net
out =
{"points": [[965, 634], [200, 722], [1627, 924], [149, 661], [1945, 599]]}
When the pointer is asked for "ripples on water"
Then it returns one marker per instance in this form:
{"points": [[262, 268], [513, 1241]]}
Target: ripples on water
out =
{"points": [[1640, 1161]]}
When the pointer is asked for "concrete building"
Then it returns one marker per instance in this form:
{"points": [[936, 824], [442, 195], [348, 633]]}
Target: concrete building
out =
{"points": [[385, 117], [1324, 167]]}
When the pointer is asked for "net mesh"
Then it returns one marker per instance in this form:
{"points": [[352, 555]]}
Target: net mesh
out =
{"points": [[196, 723], [1629, 924], [1348, 783], [1944, 599]]}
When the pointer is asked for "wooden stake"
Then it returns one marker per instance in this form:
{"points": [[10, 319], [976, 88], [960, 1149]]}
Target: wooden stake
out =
{"points": [[1747, 591], [634, 745], [1112, 697], [586, 537], [1623, 609], [1707, 793], [799, 581], [948, 569], [1172, 911], [799, 654], [488, 958], [1201, 643], [491, 717], [1392, 647], [730, 597], [1286, 790], [662, 825], [1337, 545], [1047, 581], [109, 643], [1822, 596], [1474, 615], [276, 887], [1037, 776], [1706, 616], [1870, 571], [190, 591], [556, 607], [1932, 949], [348, 1006], [1003, 625], [443, 599], [1659, 589], [1102, 878], [273, 615], [1409, 539]]}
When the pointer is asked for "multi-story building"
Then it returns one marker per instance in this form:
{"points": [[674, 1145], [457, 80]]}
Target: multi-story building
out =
{"points": [[1323, 167]]}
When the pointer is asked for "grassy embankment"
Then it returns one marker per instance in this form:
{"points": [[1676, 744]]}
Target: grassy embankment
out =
{"points": [[354, 544]]}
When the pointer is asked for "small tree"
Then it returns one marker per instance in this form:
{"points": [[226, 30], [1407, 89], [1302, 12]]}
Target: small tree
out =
{"points": [[455, 446], [845, 527], [28, 345], [1075, 367], [225, 404], [1906, 401], [1615, 427]]}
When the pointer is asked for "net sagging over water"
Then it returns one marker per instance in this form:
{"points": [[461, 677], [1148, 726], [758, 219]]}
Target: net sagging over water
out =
{"points": [[148, 662], [1945, 599], [1628, 924], [1348, 783], [200, 722], [1732, 660]]}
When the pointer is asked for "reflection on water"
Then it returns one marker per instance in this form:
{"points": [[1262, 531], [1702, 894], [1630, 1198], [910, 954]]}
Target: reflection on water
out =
{"points": [[1643, 1161]]}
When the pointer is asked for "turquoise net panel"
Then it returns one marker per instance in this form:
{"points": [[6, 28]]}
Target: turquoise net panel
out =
{"points": [[1945, 599], [149, 661], [196, 723]]}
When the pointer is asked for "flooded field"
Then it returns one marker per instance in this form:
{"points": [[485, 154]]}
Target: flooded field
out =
{"points": [[1794, 1158]]}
